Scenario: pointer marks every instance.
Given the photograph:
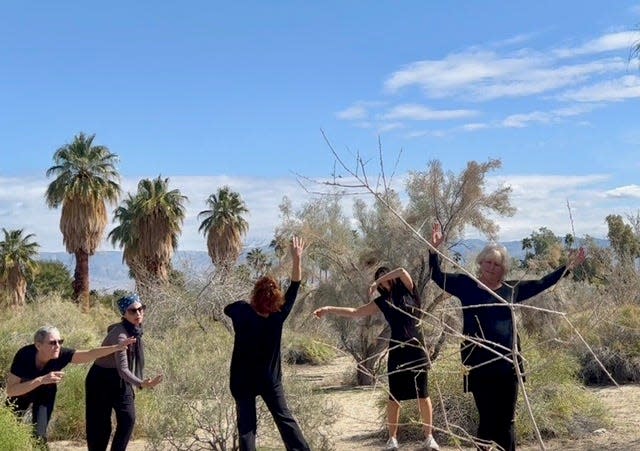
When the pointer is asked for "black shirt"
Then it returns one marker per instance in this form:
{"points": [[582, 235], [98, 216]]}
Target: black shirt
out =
{"points": [[401, 309], [24, 367], [255, 362], [487, 318]]}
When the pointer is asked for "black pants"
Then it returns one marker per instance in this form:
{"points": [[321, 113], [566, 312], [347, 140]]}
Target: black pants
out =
{"points": [[41, 400], [106, 391], [275, 401], [496, 399]]}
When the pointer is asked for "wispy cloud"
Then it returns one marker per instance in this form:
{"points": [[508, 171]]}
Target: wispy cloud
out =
{"points": [[354, 112], [627, 87], [416, 112], [544, 117], [613, 41], [628, 191]]}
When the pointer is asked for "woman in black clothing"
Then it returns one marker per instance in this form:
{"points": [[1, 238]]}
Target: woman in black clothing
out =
{"points": [[110, 381], [394, 294], [37, 369], [487, 350], [255, 362]]}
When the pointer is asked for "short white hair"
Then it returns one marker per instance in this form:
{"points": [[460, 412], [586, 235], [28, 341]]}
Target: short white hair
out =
{"points": [[492, 248], [42, 333]]}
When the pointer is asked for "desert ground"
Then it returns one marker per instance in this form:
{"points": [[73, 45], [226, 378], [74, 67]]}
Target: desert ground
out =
{"points": [[358, 427]]}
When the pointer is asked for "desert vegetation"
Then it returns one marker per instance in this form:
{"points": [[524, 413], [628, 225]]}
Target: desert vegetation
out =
{"points": [[584, 332]]}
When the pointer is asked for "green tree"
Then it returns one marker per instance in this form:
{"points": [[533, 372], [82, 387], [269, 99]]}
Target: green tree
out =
{"points": [[624, 241], [17, 263], [53, 277], [224, 226], [86, 180], [543, 249], [150, 223]]}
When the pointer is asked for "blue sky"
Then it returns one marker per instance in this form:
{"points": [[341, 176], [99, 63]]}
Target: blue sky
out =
{"points": [[211, 93]]}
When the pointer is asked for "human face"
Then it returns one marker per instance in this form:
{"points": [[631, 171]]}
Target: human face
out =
{"points": [[135, 313], [50, 347], [492, 268]]}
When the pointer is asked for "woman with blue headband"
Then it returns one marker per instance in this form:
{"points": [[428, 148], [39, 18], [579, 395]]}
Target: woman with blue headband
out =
{"points": [[110, 381]]}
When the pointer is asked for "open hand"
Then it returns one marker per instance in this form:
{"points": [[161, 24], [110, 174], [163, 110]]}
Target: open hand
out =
{"points": [[437, 238], [297, 247], [577, 258]]}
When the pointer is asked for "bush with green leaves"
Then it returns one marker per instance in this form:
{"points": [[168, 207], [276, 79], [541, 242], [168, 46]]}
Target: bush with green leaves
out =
{"points": [[560, 405], [14, 434], [301, 349]]}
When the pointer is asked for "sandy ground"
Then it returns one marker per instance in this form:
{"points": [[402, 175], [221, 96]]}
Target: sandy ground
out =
{"points": [[358, 426]]}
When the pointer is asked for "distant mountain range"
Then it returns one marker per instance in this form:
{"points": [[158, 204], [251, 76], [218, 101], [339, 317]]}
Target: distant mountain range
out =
{"points": [[108, 272]]}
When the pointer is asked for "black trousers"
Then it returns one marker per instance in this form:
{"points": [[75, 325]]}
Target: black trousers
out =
{"points": [[106, 391], [496, 399], [41, 400], [275, 401]]}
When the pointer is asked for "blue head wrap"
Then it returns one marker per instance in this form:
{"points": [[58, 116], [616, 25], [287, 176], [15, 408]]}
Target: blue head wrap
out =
{"points": [[125, 301]]}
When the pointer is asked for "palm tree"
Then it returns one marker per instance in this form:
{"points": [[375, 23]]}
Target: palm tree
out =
{"points": [[86, 180], [17, 263], [224, 226], [258, 261], [150, 224]]}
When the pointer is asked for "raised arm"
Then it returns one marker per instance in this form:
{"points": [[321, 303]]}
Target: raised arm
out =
{"points": [[348, 312], [297, 247], [398, 273], [90, 355], [449, 282]]}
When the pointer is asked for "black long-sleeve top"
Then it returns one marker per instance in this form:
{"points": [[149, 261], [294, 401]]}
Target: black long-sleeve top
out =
{"points": [[255, 362], [487, 319]]}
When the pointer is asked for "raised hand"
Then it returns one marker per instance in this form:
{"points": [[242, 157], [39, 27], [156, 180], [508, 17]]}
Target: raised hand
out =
{"points": [[437, 238], [577, 259], [297, 247]]}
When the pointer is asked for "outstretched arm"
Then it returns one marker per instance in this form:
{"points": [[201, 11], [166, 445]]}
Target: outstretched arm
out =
{"points": [[348, 312], [90, 355]]}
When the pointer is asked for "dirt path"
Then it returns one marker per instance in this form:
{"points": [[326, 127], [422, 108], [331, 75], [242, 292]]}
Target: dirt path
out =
{"points": [[358, 425]]}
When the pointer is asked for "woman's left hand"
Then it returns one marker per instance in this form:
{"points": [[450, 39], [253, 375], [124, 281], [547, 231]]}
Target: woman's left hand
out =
{"points": [[297, 247], [577, 258]]}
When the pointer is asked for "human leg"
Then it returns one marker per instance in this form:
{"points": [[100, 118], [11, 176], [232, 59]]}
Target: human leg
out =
{"points": [[496, 400], [247, 421], [289, 430], [393, 417], [98, 398], [125, 410], [40, 417]]}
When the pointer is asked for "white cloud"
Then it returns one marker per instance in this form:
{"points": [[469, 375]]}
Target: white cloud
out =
{"points": [[421, 113], [628, 191], [544, 117], [354, 112], [541, 201], [622, 88], [612, 41]]}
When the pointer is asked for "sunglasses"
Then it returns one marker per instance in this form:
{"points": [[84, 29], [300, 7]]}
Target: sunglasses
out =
{"points": [[140, 309], [56, 342]]}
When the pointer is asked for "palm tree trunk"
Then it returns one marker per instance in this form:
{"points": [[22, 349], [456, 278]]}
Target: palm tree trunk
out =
{"points": [[81, 279]]}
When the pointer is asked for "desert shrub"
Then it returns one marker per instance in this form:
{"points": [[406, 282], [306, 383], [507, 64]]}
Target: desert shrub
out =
{"points": [[15, 435], [615, 341], [300, 349], [193, 407], [561, 406], [67, 422]]}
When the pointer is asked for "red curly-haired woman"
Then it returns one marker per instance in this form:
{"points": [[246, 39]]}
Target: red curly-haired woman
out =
{"points": [[255, 362]]}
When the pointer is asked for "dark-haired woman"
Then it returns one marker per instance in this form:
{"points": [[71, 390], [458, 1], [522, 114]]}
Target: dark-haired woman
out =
{"points": [[394, 294], [255, 362], [110, 381]]}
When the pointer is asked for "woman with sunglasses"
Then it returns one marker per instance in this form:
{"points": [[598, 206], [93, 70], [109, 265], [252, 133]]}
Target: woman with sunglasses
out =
{"points": [[110, 381], [37, 369]]}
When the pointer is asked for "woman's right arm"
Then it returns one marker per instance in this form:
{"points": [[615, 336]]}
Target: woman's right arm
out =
{"points": [[17, 388], [348, 312], [446, 281]]}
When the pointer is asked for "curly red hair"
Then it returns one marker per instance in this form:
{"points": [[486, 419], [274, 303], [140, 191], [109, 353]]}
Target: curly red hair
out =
{"points": [[267, 297]]}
